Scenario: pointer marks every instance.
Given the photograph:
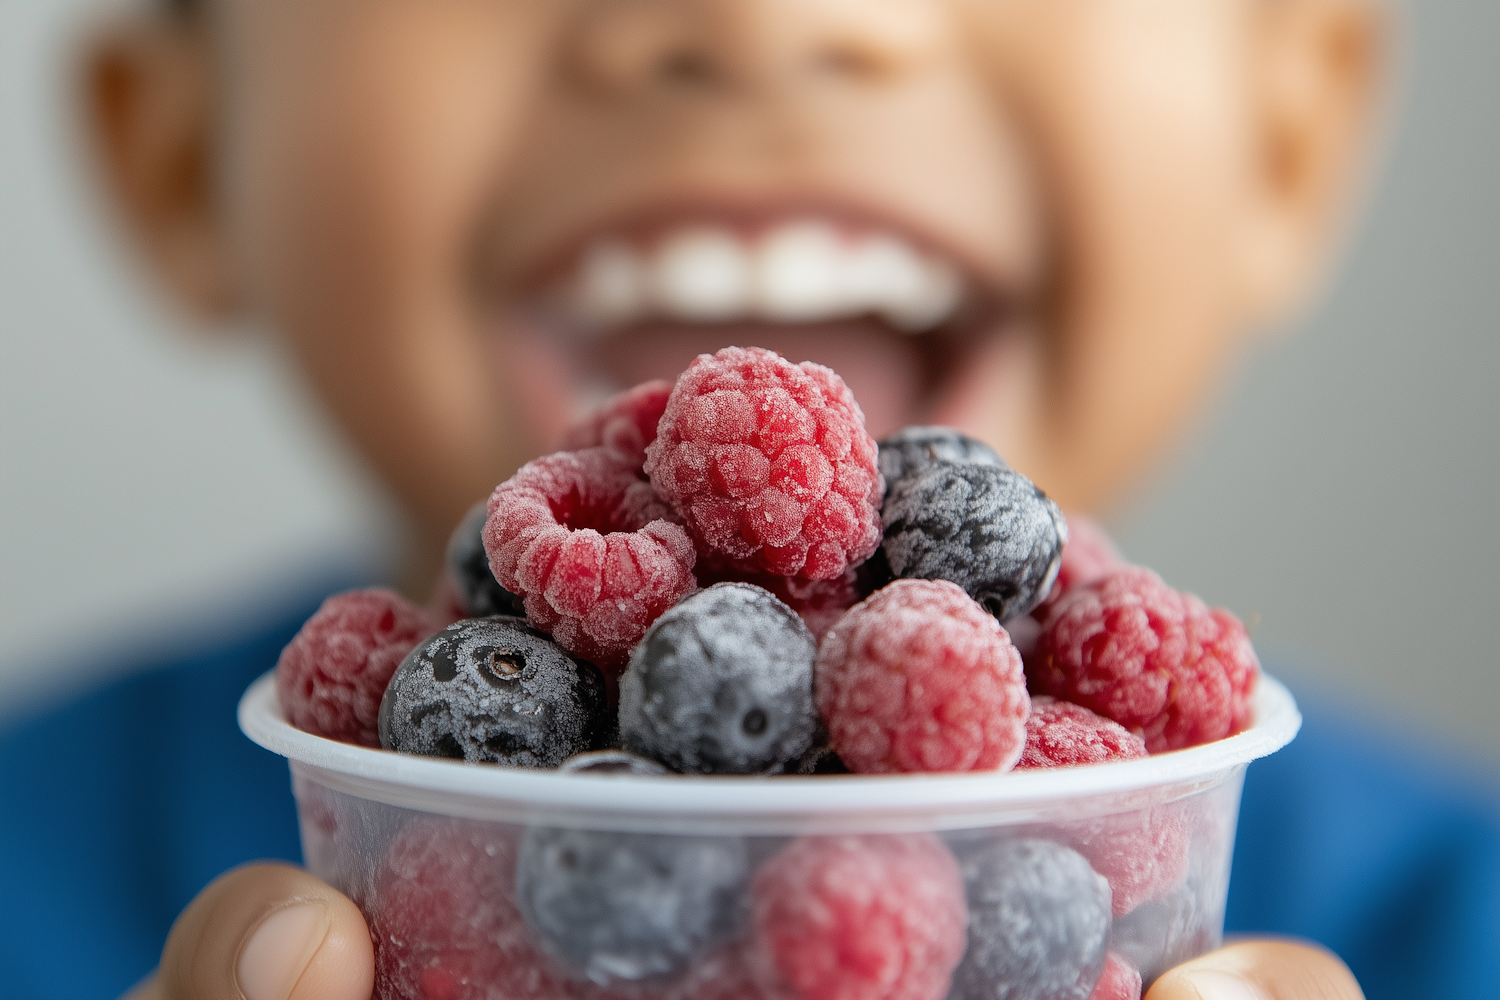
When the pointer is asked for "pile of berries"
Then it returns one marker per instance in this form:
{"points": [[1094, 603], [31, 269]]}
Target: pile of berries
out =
{"points": [[730, 576]]}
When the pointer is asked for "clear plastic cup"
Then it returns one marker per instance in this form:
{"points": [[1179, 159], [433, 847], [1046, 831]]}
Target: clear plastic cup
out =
{"points": [[456, 866]]}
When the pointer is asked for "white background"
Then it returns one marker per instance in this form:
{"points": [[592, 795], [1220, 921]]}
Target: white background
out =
{"points": [[155, 488]]}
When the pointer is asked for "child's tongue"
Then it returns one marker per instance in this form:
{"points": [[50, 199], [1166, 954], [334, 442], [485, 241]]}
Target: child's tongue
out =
{"points": [[884, 369]]}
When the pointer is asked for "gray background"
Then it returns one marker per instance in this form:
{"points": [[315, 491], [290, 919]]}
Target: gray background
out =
{"points": [[1342, 497]]}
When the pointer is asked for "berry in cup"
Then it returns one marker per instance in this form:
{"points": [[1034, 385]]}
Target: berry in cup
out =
{"points": [[774, 594]]}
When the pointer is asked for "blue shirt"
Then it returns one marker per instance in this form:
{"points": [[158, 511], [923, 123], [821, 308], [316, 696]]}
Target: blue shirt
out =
{"points": [[118, 807]]}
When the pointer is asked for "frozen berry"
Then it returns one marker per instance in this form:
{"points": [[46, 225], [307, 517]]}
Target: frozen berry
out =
{"points": [[478, 593], [722, 684], [331, 677], [1143, 853], [1119, 981], [821, 603], [821, 759], [983, 527], [862, 918], [496, 691], [626, 907], [444, 922], [769, 465], [611, 762], [625, 423], [1164, 933], [590, 549], [1061, 734], [1156, 661], [920, 678], [1088, 554], [1039, 921], [914, 448]]}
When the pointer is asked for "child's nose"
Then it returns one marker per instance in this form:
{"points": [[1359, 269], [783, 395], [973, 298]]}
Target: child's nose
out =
{"points": [[748, 45]]}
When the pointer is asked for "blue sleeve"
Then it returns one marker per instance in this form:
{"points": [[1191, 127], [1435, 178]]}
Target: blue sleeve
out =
{"points": [[1389, 857], [116, 809]]}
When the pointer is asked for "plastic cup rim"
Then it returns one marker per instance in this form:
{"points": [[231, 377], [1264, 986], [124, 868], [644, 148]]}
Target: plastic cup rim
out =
{"points": [[889, 801]]}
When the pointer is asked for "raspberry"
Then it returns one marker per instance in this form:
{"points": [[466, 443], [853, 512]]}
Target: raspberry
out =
{"points": [[1038, 924], [913, 448], [722, 684], [1143, 854], [590, 549], [468, 576], [862, 918], [625, 423], [769, 465], [1156, 661], [920, 678], [984, 527], [1119, 981], [1061, 734], [1088, 554], [332, 675], [494, 691], [627, 907], [444, 922]]}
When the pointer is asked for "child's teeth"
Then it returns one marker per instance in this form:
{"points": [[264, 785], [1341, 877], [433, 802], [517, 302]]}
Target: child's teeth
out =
{"points": [[702, 275], [802, 274], [611, 289]]}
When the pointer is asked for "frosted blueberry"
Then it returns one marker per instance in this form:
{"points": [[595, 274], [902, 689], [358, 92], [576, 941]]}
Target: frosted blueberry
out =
{"points": [[495, 691], [626, 907], [722, 684], [479, 593], [1039, 920], [914, 448], [984, 527]]}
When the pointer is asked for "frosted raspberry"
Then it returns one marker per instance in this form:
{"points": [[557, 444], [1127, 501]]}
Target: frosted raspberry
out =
{"points": [[1156, 661], [1120, 981], [590, 549], [1061, 734], [921, 678], [444, 921], [1088, 554], [1143, 854], [769, 465], [624, 423], [331, 677], [862, 918]]}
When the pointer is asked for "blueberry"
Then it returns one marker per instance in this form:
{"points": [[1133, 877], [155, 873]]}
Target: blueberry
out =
{"points": [[496, 691], [625, 907], [1039, 921], [479, 593], [1163, 933], [914, 448], [984, 527], [611, 762], [721, 684]]}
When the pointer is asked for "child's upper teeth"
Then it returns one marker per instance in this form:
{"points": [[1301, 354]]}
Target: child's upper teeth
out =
{"points": [[804, 271]]}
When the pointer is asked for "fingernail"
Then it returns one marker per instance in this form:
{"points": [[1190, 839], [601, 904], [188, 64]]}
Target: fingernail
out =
{"points": [[277, 952], [1212, 984]]}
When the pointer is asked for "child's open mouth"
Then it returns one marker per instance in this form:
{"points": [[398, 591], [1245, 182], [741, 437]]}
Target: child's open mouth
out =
{"points": [[893, 314]]}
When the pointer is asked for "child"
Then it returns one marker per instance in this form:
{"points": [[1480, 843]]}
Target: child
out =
{"points": [[469, 218]]}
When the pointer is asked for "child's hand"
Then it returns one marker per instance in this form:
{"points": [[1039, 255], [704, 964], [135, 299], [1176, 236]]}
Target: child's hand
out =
{"points": [[266, 932], [272, 932]]}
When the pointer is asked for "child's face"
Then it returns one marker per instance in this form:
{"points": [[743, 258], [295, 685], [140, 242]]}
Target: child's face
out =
{"points": [[1046, 222]]}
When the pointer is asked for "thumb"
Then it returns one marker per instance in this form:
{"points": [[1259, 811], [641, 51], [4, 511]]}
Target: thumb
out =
{"points": [[1260, 970], [268, 932]]}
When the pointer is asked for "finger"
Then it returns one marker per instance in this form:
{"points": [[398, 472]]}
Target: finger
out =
{"points": [[268, 932], [1260, 970]]}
